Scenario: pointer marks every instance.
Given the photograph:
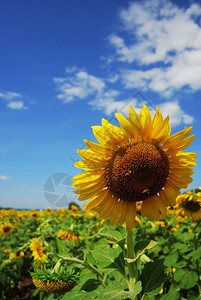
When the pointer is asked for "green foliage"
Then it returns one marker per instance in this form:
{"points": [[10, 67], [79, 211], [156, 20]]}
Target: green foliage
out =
{"points": [[48, 274], [167, 257]]}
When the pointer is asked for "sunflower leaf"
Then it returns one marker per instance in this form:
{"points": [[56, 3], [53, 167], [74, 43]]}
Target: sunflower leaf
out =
{"points": [[112, 259], [152, 276], [62, 248]]}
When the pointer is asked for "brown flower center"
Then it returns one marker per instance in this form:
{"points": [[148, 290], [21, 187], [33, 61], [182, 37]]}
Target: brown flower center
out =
{"points": [[7, 229], [191, 205], [137, 172]]}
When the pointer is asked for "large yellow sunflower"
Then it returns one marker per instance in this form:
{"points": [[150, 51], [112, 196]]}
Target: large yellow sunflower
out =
{"points": [[138, 162]]}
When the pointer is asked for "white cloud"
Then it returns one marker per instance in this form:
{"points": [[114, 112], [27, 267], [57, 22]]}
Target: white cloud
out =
{"points": [[17, 105], [10, 95], [81, 85], [77, 84], [177, 115], [164, 44], [4, 177], [12, 100]]}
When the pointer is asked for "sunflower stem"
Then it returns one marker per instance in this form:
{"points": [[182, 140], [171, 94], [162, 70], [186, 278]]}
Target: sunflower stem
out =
{"points": [[132, 267]]}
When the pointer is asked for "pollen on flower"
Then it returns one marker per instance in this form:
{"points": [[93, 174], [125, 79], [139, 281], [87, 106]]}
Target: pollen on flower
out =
{"points": [[137, 171]]}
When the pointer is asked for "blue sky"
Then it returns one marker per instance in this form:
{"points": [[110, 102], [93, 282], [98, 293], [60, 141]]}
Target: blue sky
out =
{"points": [[66, 64]]}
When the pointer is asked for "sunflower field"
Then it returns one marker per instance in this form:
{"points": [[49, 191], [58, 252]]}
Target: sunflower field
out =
{"points": [[72, 254]]}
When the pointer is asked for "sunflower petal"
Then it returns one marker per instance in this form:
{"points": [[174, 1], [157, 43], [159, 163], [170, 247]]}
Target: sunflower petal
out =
{"points": [[149, 209], [126, 126], [89, 165], [97, 200], [97, 148], [91, 155]]}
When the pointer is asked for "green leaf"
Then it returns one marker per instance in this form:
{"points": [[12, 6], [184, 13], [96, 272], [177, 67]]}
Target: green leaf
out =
{"points": [[137, 289], [171, 260], [89, 258], [113, 258], [62, 248], [112, 236], [152, 276], [91, 285], [116, 291], [80, 295], [141, 246], [186, 279], [173, 293]]}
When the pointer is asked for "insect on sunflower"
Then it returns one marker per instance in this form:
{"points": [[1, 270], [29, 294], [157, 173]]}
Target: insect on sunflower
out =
{"points": [[138, 162]]}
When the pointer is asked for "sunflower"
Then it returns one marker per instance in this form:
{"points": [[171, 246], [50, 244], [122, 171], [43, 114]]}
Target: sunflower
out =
{"points": [[6, 228], [37, 249], [50, 286], [16, 255], [189, 204], [139, 162], [67, 235]]}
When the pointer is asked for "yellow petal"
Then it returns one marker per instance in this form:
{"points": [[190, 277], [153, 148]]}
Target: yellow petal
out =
{"points": [[85, 183], [123, 213], [92, 193], [115, 133], [89, 165], [150, 209], [176, 139], [99, 149], [102, 136], [88, 176], [89, 187], [97, 200], [116, 212], [91, 155], [162, 132], [145, 120], [134, 120], [126, 126], [106, 208], [157, 119]]}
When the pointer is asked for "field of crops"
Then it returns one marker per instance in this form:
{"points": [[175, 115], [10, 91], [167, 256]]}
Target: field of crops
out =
{"points": [[71, 254]]}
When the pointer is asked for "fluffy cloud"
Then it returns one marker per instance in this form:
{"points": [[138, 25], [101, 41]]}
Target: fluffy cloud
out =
{"points": [[163, 50], [4, 177], [13, 101], [78, 84], [160, 50]]}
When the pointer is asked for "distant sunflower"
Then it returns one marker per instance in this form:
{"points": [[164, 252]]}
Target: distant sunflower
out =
{"points": [[67, 235], [6, 228], [189, 204], [138, 162], [37, 249]]}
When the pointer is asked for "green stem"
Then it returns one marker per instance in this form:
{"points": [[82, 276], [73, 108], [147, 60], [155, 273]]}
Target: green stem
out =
{"points": [[85, 264], [132, 268]]}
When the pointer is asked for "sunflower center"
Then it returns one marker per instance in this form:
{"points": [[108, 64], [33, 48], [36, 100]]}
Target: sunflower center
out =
{"points": [[191, 205], [6, 229], [137, 171]]}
